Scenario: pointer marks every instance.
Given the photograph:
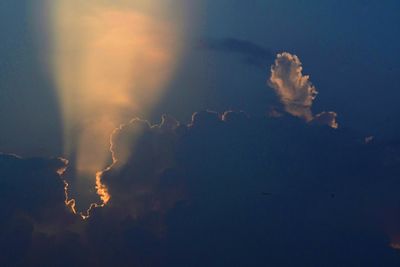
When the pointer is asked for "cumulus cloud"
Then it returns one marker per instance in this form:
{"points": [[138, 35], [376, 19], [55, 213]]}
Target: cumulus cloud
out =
{"points": [[295, 90], [145, 160], [227, 189], [33, 212], [199, 187], [17, 175]]}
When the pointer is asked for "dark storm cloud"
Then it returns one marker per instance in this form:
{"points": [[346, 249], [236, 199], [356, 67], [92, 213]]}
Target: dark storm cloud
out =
{"points": [[244, 191], [30, 185], [33, 215], [224, 190], [145, 180], [252, 53]]}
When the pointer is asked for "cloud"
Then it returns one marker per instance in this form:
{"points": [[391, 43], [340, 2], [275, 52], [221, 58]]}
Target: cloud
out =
{"points": [[252, 53], [33, 210], [295, 90], [18, 175], [327, 118], [225, 189], [200, 188], [107, 60], [143, 179]]}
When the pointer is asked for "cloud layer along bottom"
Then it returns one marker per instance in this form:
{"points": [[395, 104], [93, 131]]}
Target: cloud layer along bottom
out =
{"points": [[224, 190]]}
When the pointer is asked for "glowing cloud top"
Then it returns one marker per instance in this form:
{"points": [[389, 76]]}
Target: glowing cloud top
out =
{"points": [[295, 90]]}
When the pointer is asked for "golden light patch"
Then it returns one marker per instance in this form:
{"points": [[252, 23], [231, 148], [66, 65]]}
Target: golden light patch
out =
{"points": [[110, 60]]}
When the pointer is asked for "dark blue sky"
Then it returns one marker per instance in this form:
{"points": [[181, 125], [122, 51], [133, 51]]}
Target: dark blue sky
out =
{"points": [[347, 47], [28, 105]]}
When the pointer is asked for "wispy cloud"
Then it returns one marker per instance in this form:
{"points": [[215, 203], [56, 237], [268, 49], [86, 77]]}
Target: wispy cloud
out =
{"points": [[252, 53]]}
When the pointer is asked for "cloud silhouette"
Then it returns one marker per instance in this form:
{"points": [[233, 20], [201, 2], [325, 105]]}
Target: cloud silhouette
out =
{"points": [[224, 189], [232, 187], [33, 212]]}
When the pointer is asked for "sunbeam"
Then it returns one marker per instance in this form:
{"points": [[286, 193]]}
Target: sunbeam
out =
{"points": [[109, 61]]}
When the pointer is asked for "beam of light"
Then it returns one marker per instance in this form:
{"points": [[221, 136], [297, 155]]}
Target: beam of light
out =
{"points": [[109, 60], [101, 189]]}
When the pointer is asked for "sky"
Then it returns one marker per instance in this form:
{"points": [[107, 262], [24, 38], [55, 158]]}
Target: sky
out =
{"points": [[349, 46], [199, 133]]}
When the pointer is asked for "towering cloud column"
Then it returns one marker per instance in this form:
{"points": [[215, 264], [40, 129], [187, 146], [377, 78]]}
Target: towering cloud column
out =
{"points": [[295, 90]]}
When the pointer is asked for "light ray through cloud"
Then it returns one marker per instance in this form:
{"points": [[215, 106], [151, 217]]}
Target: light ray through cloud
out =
{"points": [[110, 60]]}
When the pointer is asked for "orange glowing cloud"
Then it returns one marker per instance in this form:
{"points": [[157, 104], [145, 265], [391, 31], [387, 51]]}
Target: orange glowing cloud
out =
{"points": [[295, 90]]}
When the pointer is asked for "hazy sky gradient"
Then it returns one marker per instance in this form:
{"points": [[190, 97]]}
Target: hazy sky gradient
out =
{"points": [[348, 47]]}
